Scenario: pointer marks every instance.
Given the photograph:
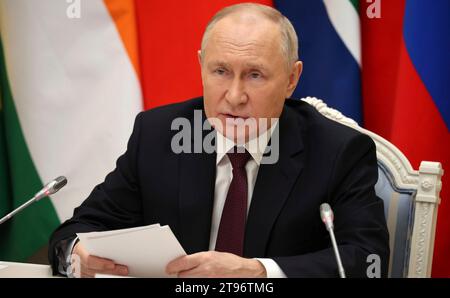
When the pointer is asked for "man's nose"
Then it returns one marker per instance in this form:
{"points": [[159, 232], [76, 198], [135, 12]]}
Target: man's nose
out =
{"points": [[236, 94]]}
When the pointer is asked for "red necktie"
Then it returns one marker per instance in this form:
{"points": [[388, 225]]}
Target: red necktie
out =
{"points": [[230, 237]]}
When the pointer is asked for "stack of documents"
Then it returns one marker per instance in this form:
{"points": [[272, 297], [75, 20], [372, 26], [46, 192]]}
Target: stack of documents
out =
{"points": [[145, 250]]}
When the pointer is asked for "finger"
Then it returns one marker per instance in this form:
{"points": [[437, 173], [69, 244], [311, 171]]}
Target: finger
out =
{"points": [[118, 270], [96, 263], [85, 273], [186, 274], [80, 251], [81, 255], [192, 273], [89, 273], [182, 264]]}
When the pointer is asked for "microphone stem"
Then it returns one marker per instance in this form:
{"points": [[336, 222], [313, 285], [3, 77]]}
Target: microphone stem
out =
{"points": [[17, 210], [336, 253]]}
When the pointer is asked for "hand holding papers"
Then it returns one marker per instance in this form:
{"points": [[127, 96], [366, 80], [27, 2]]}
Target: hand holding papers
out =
{"points": [[145, 250]]}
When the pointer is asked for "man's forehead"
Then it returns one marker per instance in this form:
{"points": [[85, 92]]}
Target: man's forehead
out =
{"points": [[254, 41], [249, 65], [248, 55], [249, 42]]}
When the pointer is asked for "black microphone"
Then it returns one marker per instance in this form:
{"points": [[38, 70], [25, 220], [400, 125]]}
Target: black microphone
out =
{"points": [[326, 213], [49, 189]]}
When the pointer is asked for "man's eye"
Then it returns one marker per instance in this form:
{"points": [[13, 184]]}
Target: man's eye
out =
{"points": [[255, 75], [220, 71]]}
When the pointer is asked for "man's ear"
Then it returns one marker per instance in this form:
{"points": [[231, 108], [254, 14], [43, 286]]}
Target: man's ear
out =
{"points": [[294, 76], [199, 56]]}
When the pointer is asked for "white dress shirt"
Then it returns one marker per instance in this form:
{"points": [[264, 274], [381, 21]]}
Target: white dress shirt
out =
{"points": [[224, 175]]}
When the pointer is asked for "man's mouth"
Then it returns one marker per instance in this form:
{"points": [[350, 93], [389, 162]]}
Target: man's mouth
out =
{"points": [[232, 116]]}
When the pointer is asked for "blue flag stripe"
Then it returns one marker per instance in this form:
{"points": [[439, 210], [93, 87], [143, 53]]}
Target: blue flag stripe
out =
{"points": [[330, 72], [426, 30]]}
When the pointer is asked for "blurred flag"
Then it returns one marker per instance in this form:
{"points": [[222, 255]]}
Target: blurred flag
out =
{"points": [[69, 95], [4, 170], [406, 91], [330, 48], [170, 34]]}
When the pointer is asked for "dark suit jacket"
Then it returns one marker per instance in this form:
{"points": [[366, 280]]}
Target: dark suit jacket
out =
{"points": [[320, 161]]}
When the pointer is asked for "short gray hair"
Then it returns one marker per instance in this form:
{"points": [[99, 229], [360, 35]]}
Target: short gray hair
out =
{"points": [[289, 39]]}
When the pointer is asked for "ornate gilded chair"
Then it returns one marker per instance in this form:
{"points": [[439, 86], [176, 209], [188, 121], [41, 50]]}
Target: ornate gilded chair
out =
{"points": [[411, 200]]}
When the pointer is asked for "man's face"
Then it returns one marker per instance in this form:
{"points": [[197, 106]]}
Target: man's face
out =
{"points": [[245, 73]]}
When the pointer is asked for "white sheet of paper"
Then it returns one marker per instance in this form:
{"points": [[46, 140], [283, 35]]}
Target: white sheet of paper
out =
{"points": [[116, 232], [145, 250]]}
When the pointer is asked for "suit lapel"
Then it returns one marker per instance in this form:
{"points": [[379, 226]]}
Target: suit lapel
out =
{"points": [[197, 181], [273, 185]]}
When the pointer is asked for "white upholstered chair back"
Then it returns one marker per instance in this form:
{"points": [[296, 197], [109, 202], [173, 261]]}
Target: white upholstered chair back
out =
{"points": [[411, 200]]}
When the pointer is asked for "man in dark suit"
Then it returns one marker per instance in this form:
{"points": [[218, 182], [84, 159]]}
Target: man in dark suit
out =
{"points": [[234, 213]]}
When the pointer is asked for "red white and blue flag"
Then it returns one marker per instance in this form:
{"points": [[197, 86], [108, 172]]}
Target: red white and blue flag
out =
{"points": [[406, 92]]}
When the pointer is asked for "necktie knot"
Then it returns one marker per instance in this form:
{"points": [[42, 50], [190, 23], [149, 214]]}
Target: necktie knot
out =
{"points": [[238, 159]]}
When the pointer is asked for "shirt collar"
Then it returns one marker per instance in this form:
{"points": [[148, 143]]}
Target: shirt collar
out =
{"points": [[256, 147]]}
